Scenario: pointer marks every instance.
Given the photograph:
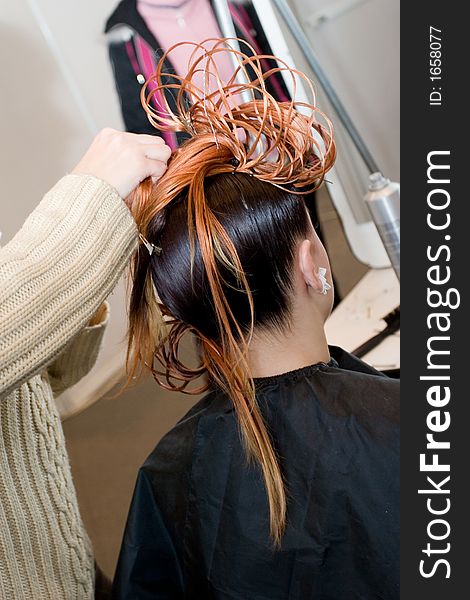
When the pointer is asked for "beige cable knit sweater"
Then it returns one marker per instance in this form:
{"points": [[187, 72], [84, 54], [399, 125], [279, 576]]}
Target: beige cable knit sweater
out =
{"points": [[54, 274]]}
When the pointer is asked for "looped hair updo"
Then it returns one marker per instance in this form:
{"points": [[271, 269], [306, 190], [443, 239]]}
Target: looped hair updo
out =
{"points": [[227, 215]]}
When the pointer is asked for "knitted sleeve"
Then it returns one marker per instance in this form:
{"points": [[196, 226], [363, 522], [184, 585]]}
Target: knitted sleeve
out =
{"points": [[57, 270], [80, 354]]}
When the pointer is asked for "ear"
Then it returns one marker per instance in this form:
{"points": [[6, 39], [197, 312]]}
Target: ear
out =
{"points": [[307, 266]]}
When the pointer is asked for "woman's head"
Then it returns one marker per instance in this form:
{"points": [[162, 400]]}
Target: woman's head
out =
{"points": [[231, 221], [264, 223]]}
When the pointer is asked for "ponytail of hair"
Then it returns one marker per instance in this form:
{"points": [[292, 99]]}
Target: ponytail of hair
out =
{"points": [[154, 334], [267, 140]]}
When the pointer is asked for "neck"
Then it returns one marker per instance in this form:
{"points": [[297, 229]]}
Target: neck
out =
{"points": [[303, 345]]}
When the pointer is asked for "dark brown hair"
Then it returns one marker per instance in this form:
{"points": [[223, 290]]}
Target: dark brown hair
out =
{"points": [[227, 215]]}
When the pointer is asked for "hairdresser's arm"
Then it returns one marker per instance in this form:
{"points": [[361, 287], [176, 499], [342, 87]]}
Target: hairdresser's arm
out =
{"points": [[80, 354], [68, 255]]}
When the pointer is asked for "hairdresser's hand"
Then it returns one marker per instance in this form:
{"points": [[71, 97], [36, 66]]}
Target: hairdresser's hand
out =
{"points": [[124, 159]]}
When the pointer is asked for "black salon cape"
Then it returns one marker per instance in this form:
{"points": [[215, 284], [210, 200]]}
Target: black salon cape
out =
{"points": [[198, 523]]}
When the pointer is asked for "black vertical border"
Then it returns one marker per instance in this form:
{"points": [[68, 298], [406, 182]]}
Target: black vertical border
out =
{"points": [[426, 128]]}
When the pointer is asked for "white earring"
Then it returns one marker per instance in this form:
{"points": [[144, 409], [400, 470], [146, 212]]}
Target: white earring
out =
{"points": [[321, 276]]}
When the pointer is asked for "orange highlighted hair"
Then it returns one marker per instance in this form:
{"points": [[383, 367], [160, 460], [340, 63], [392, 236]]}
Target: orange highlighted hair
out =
{"points": [[243, 171]]}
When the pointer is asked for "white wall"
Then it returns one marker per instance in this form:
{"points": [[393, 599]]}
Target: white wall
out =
{"points": [[50, 109], [359, 49], [57, 92]]}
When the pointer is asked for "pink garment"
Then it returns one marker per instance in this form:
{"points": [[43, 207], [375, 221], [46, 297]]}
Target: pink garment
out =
{"points": [[173, 21]]}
